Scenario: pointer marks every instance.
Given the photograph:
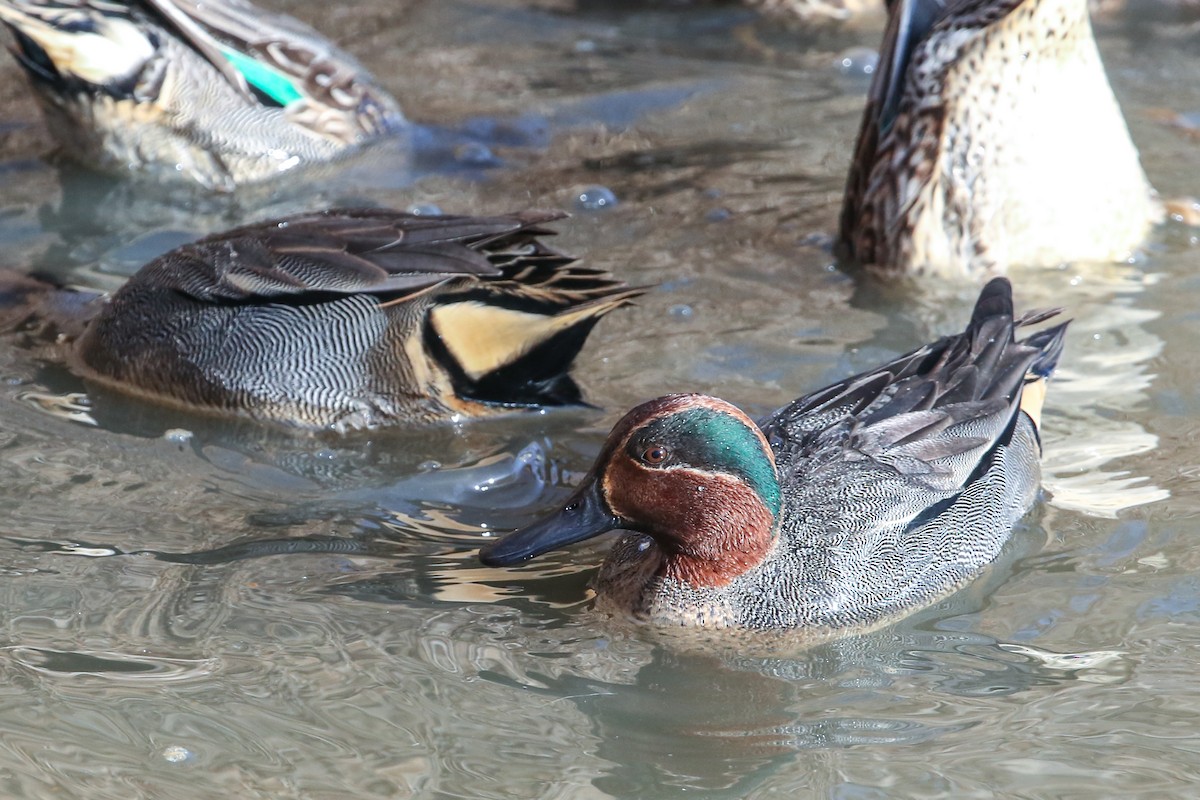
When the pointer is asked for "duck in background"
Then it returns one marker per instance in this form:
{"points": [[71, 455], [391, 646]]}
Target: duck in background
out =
{"points": [[1131, 11], [219, 92], [817, 11], [846, 509], [991, 138], [337, 320]]}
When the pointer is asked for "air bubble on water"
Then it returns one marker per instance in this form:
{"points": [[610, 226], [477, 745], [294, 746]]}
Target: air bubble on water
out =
{"points": [[595, 198], [176, 754], [858, 62]]}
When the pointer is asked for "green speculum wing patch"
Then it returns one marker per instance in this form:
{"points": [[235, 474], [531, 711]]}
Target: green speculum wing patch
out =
{"points": [[266, 79]]}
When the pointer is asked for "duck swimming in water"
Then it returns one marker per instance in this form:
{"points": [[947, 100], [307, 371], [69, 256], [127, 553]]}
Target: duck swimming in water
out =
{"points": [[341, 320], [848, 508], [219, 92], [991, 138]]}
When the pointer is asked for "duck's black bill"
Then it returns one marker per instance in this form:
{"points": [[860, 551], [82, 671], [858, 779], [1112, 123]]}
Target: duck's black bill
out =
{"points": [[585, 515]]}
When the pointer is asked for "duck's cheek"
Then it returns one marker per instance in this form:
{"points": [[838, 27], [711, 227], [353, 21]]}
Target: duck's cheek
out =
{"points": [[655, 501]]}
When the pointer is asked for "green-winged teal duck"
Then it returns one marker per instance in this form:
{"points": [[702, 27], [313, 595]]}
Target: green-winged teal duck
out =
{"points": [[847, 508], [343, 320], [992, 138], [217, 92]]}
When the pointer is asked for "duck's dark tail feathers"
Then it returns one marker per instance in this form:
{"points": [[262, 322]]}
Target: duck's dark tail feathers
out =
{"points": [[1050, 343], [995, 300], [992, 334]]}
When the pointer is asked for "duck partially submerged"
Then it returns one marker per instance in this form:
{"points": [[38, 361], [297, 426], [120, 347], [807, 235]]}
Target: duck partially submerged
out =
{"points": [[345, 319], [814, 11], [991, 138], [218, 92], [847, 508]]}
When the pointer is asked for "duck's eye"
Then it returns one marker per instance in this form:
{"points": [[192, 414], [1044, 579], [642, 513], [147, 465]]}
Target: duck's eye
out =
{"points": [[655, 454]]}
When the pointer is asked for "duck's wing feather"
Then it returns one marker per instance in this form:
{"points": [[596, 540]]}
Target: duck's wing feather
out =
{"points": [[892, 153], [925, 422], [909, 22], [348, 251], [275, 59]]}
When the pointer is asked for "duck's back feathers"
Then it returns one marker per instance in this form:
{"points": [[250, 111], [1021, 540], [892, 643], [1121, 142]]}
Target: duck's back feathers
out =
{"points": [[917, 410], [273, 59], [350, 251]]}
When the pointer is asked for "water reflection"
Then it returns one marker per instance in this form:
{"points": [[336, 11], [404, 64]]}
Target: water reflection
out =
{"points": [[113, 666], [728, 726]]}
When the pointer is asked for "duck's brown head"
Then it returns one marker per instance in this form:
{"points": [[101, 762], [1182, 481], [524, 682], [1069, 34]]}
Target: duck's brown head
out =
{"points": [[692, 472]]}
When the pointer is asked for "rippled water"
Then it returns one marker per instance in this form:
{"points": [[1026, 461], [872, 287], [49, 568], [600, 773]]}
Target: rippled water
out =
{"points": [[195, 609]]}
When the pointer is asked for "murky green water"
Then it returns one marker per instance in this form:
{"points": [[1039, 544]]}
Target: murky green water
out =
{"points": [[246, 614]]}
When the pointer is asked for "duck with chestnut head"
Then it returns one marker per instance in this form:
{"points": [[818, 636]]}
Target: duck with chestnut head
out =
{"points": [[845, 509]]}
